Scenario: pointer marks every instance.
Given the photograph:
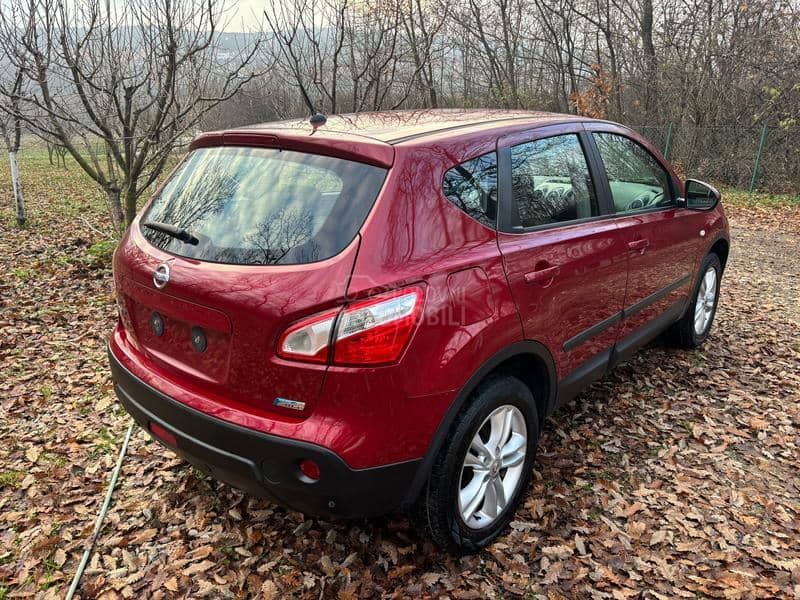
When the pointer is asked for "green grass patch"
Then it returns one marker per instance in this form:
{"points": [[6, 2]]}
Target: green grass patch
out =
{"points": [[762, 199], [11, 478], [24, 274], [103, 250]]}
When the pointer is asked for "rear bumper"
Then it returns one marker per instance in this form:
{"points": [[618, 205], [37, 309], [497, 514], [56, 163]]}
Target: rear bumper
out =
{"points": [[265, 465]]}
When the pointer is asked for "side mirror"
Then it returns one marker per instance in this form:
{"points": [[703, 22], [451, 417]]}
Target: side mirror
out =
{"points": [[701, 196]]}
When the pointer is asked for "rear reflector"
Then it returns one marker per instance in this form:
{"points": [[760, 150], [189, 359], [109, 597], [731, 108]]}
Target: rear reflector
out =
{"points": [[369, 332], [310, 469], [162, 434]]}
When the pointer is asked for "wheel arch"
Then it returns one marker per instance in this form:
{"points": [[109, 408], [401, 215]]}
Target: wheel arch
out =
{"points": [[720, 247], [528, 360]]}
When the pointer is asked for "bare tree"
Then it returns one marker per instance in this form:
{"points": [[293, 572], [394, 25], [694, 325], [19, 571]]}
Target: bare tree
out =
{"points": [[11, 82], [118, 84], [345, 55], [422, 26]]}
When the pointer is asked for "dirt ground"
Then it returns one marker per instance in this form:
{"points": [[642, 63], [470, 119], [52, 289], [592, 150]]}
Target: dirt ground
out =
{"points": [[676, 476]]}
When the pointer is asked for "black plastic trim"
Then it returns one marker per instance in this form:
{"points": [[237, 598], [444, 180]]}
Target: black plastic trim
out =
{"points": [[627, 346], [601, 186], [516, 349], [599, 365], [587, 334], [545, 226], [655, 296], [261, 464], [592, 370]]}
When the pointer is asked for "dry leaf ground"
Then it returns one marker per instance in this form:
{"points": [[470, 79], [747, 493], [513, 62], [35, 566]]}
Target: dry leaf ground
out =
{"points": [[676, 476]]}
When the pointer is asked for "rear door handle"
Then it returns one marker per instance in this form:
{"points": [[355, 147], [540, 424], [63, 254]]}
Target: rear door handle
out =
{"points": [[545, 275], [639, 244]]}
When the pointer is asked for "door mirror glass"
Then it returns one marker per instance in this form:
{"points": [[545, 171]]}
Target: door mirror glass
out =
{"points": [[700, 196]]}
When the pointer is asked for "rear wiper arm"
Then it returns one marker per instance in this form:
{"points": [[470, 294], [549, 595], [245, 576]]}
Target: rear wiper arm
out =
{"points": [[171, 230]]}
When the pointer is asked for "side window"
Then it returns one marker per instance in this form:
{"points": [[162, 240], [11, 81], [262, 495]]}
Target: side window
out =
{"points": [[637, 179], [550, 182], [472, 187]]}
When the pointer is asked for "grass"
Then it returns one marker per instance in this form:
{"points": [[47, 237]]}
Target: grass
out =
{"points": [[79, 195], [69, 214], [10, 478], [744, 198], [79, 199]]}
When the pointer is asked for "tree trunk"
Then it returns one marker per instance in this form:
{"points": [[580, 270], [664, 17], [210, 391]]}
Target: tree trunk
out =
{"points": [[115, 206], [19, 201], [130, 208], [646, 23]]}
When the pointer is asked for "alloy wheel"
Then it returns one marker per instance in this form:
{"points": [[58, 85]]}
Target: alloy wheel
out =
{"points": [[704, 305], [492, 467]]}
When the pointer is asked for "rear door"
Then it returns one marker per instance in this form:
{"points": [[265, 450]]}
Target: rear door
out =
{"points": [[657, 233], [564, 259], [272, 237]]}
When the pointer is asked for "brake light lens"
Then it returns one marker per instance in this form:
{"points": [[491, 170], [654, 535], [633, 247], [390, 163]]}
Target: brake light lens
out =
{"points": [[376, 331], [369, 332]]}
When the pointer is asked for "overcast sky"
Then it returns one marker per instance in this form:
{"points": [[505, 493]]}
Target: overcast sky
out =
{"points": [[243, 15]]}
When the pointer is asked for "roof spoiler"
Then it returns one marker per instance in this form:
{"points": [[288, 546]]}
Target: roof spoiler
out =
{"points": [[340, 145]]}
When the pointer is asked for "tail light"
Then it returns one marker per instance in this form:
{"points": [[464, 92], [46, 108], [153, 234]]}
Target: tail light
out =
{"points": [[369, 332], [308, 340]]}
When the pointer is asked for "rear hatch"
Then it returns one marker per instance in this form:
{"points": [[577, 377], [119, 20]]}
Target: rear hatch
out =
{"points": [[240, 242]]}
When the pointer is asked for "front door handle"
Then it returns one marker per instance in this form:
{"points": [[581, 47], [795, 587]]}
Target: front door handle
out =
{"points": [[544, 276], [641, 244]]}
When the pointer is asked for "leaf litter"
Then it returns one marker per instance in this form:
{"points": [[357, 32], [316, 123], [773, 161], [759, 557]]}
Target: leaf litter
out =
{"points": [[675, 476]]}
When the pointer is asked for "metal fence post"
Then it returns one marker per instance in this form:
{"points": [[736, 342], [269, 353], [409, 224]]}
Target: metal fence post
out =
{"points": [[758, 157], [668, 143]]}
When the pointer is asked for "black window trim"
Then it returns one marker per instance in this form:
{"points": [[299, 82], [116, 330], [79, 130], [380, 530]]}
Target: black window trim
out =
{"points": [[458, 208], [506, 221], [584, 131]]}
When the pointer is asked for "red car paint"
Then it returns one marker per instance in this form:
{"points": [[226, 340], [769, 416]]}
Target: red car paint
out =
{"points": [[482, 290]]}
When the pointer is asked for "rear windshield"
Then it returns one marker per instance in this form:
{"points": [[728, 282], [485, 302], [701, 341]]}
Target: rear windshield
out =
{"points": [[263, 206]]}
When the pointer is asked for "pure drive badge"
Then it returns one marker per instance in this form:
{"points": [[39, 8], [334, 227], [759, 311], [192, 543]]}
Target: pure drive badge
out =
{"points": [[293, 404]]}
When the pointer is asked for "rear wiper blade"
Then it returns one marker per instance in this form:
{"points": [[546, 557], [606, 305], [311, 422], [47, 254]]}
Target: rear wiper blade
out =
{"points": [[171, 230]]}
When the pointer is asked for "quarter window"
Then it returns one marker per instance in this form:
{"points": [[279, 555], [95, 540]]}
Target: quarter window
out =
{"points": [[472, 187], [550, 182], [637, 179]]}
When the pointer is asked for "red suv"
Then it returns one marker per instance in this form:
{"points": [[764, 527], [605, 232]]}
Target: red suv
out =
{"points": [[377, 312]]}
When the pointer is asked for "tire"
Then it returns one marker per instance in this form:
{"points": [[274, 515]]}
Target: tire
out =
{"points": [[687, 333], [438, 510]]}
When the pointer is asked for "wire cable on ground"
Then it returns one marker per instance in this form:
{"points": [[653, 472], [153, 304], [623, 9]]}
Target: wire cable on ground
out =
{"points": [[99, 523]]}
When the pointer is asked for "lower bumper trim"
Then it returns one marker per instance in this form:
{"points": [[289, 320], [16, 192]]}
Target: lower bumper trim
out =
{"points": [[262, 464]]}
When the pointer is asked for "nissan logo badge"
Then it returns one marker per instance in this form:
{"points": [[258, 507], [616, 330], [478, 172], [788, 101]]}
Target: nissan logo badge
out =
{"points": [[161, 276]]}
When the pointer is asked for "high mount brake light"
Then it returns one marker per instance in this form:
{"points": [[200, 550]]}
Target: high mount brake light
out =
{"points": [[368, 332]]}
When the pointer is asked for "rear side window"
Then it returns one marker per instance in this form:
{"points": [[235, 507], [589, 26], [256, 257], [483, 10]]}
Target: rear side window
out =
{"points": [[263, 206], [472, 187], [637, 179], [550, 182]]}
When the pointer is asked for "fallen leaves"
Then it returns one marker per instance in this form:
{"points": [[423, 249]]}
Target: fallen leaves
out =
{"points": [[675, 476], [32, 453], [196, 568]]}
